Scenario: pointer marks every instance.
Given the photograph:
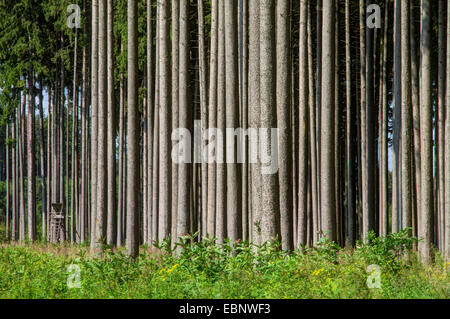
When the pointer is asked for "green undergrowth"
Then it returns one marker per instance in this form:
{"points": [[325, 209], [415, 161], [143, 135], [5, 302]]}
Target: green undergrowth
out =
{"points": [[238, 270]]}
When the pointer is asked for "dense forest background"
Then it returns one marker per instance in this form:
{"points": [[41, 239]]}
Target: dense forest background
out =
{"points": [[359, 94]]}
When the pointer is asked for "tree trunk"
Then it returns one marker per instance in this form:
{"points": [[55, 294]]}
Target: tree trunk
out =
{"points": [[303, 127], [165, 195], [94, 115], [327, 185], [185, 120], [132, 239], [254, 120], [426, 136], [234, 212], [212, 120], [283, 97], [270, 219], [111, 133], [406, 117], [396, 187], [221, 199]]}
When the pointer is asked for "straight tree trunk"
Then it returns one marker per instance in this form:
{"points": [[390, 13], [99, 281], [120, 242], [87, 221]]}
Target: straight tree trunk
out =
{"points": [[185, 120], [406, 127], [384, 131], [221, 193], [447, 145], [440, 127], [396, 200], [150, 119], [313, 136], [165, 188], [303, 127], [102, 177], [7, 182], [31, 171], [254, 119], [212, 120], [74, 176], [426, 135], [111, 131], [327, 185], [204, 113], [416, 109], [370, 176], [43, 160], [351, 213], [94, 116], [234, 207], [270, 219], [283, 96], [132, 238], [176, 109]]}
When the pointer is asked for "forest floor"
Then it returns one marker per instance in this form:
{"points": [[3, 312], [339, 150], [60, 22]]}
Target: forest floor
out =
{"points": [[204, 270]]}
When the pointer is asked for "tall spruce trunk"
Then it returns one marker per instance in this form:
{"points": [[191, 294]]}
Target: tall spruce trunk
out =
{"points": [[283, 97], [165, 188], [185, 122], [327, 185], [94, 116], [254, 121], [270, 213], [212, 120], [303, 127], [426, 137], [406, 116], [234, 212], [133, 159]]}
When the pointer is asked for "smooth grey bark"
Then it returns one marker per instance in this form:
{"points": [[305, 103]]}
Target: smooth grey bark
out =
{"points": [[221, 192], [176, 108], [111, 132], [426, 136], [283, 98], [31, 171], [122, 169], [74, 170], [303, 127], [212, 120], [94, 118], [270, 219], [254, 120], [383, 224], [155, 177], [8, 214], [351, 222], [84, 143], [43, 162], [234, 200], [204, 113], [102, 177], [150, 120], [396, 193], [327, 185], [185, 121], [440, 127], [416, 110], [370, 177], [313, 137], [406, 116], [447, 146], [133, 152], [165, 187]]}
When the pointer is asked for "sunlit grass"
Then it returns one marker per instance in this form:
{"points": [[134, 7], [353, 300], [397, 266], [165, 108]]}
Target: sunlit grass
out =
{"points": [[204, 270]]}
